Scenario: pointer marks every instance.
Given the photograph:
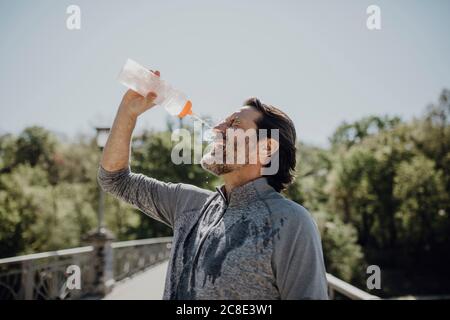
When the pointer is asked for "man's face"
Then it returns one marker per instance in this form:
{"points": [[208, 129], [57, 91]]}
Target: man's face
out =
{"points": [[235, 145]]}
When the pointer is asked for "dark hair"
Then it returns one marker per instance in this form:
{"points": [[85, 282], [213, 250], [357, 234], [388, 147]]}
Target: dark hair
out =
{"points": [[274, 118]]}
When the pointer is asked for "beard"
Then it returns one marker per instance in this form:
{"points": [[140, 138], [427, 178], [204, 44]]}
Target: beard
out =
{"points": [[216, 169], [215, 162]]}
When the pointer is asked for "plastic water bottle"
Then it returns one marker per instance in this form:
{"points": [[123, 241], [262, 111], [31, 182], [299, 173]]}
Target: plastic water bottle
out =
{"points": [[140, 79]]}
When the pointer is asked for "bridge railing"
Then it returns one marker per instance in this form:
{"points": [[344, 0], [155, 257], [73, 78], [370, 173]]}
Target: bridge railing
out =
{"points": [[338, 287], [133, 256], [43, 275]]}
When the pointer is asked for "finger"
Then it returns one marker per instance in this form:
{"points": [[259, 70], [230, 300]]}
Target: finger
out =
{"points": [[155, 72], [131, 94], [151, 96]]}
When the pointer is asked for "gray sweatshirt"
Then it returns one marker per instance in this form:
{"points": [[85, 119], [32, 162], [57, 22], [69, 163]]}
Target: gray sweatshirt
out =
{"points": [[255, 245]]}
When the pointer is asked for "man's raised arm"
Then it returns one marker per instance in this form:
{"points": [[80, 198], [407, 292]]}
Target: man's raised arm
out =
{"points": [[157, 199], [116, 154]]}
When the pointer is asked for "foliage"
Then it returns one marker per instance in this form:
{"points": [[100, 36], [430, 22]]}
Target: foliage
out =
{"points": [[380, 193], [49, 193]]}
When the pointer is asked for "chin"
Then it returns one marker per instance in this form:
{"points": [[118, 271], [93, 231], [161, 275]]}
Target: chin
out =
{"points": [[208, 163]]}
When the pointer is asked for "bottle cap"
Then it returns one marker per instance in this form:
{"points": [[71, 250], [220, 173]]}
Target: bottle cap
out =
{"points": [[187, 109]]}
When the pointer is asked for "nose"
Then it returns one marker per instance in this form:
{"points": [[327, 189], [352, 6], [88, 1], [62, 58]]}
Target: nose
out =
{"points": [[220, 127], [219, 130]]}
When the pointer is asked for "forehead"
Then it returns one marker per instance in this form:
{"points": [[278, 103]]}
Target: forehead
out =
{"points": [[245, 114]]}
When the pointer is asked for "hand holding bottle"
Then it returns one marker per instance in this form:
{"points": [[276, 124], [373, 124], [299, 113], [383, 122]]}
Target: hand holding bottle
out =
{"points": [[135, 104], [144, 82]]}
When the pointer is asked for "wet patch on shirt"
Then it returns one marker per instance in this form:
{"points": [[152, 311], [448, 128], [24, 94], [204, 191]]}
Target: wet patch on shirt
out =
{"points": [[269, 232], [219, 248]]}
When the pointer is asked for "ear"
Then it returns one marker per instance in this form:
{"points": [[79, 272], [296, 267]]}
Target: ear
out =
{"points": [[267, 148]]}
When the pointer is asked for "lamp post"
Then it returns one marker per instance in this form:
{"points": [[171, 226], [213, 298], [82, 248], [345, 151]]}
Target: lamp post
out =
{"points": [[101, 138], [102, 278]]}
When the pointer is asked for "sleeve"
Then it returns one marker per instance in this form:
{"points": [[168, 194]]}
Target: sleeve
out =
{"points": [[297, 259], [159, 200]]}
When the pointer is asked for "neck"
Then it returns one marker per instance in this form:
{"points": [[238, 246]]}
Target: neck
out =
{"points": [[240, 177]]}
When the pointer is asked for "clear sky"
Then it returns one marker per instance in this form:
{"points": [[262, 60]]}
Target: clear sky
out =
{"points": [[316, 60]]}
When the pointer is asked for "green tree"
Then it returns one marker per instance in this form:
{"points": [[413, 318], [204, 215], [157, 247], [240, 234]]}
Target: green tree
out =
{"points": [[343, 255], [420, 190], [393, 186], [349, 134]]}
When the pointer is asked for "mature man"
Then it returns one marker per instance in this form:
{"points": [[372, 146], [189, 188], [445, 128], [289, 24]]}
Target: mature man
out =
{"points": [[243, 241]]}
